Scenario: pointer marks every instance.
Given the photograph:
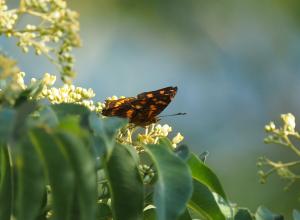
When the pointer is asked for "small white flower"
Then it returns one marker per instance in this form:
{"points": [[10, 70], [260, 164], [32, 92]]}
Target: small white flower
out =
{"points": [[177, 139], [48, 79], [114, 97], [78, 96], [72, 88], [289, 120], [51, 97], [56, 15], [45, 90], [272, 125], [158, 127], [165, 130], [33, 80], [20, 80], [30, 27], [79, 89]]}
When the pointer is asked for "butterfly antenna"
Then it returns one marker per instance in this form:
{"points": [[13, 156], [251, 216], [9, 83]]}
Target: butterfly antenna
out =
{"points": [[180, 113]]}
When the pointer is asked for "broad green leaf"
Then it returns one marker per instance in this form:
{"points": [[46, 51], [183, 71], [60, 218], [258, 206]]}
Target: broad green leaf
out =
{"points": [[85, 174], [46, 204], [21, 118], [71, 123], [226, 208], [205, 175], [59, 170], [243, 214], [263, 213], [31, 180], [46, 116], [106, 127], [204, 203], [185, 216], [5, 184], [149, 214], [7, 117], [103, 212], [105, 131], [102, 185], [183, 152], [69, 109], [126, 187], [174, 184], [296, 214], [63, 110]]}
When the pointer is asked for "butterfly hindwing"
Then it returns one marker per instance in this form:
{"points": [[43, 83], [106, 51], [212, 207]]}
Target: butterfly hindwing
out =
{"points": [[119, 107]]}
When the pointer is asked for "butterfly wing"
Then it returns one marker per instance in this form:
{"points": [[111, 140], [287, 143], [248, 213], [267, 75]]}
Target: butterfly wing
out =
{"points": [[120, 108], [143, 109], [167, 91], [150, 104]]}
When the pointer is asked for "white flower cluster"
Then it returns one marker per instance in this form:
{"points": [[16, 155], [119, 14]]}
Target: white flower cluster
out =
{"points": [[65, 94], [68, 94], [53, 32], [8, 18], [150, 136], [289, 121], [19, 79], [280, 134], [284, 135], [289, 124]]}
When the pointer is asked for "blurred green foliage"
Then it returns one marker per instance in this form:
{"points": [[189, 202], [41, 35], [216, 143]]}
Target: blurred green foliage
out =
{"points": [[61, 160]]}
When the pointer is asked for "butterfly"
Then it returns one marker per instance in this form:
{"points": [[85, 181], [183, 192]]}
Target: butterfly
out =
{"points": [[143, 109]]}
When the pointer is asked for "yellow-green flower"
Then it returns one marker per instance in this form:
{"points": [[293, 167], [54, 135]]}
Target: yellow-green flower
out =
{"points": [[289, 121]]}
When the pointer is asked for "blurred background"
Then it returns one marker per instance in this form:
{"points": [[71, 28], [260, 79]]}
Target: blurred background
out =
{"points": [[236, 64]]}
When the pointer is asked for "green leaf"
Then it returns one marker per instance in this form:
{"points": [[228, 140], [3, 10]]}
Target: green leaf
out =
{"points": [[7, 117], [185, 216], [183, 152], [105, 131], [31, 180], [5, 184], [85, 174], [46, 116], [66, 109], [226, 208], [204, 203], [243, 214], [205, 175], [21, 118], [102, 186], [59, 171], [71, 123], [296, 214], [263, 213], [126, 187], [174, 184], [69, 109], [103, 212], [149, 214]]}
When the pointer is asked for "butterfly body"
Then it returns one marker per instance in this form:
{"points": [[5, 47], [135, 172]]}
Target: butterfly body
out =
{"points": [[143, 109]]}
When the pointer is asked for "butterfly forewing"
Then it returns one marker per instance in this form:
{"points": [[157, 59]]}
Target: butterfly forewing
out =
{"points": [[167, 91]]}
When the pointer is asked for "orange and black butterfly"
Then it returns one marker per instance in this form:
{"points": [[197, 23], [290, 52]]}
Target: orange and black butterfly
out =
{"points": [[143, 109]]}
